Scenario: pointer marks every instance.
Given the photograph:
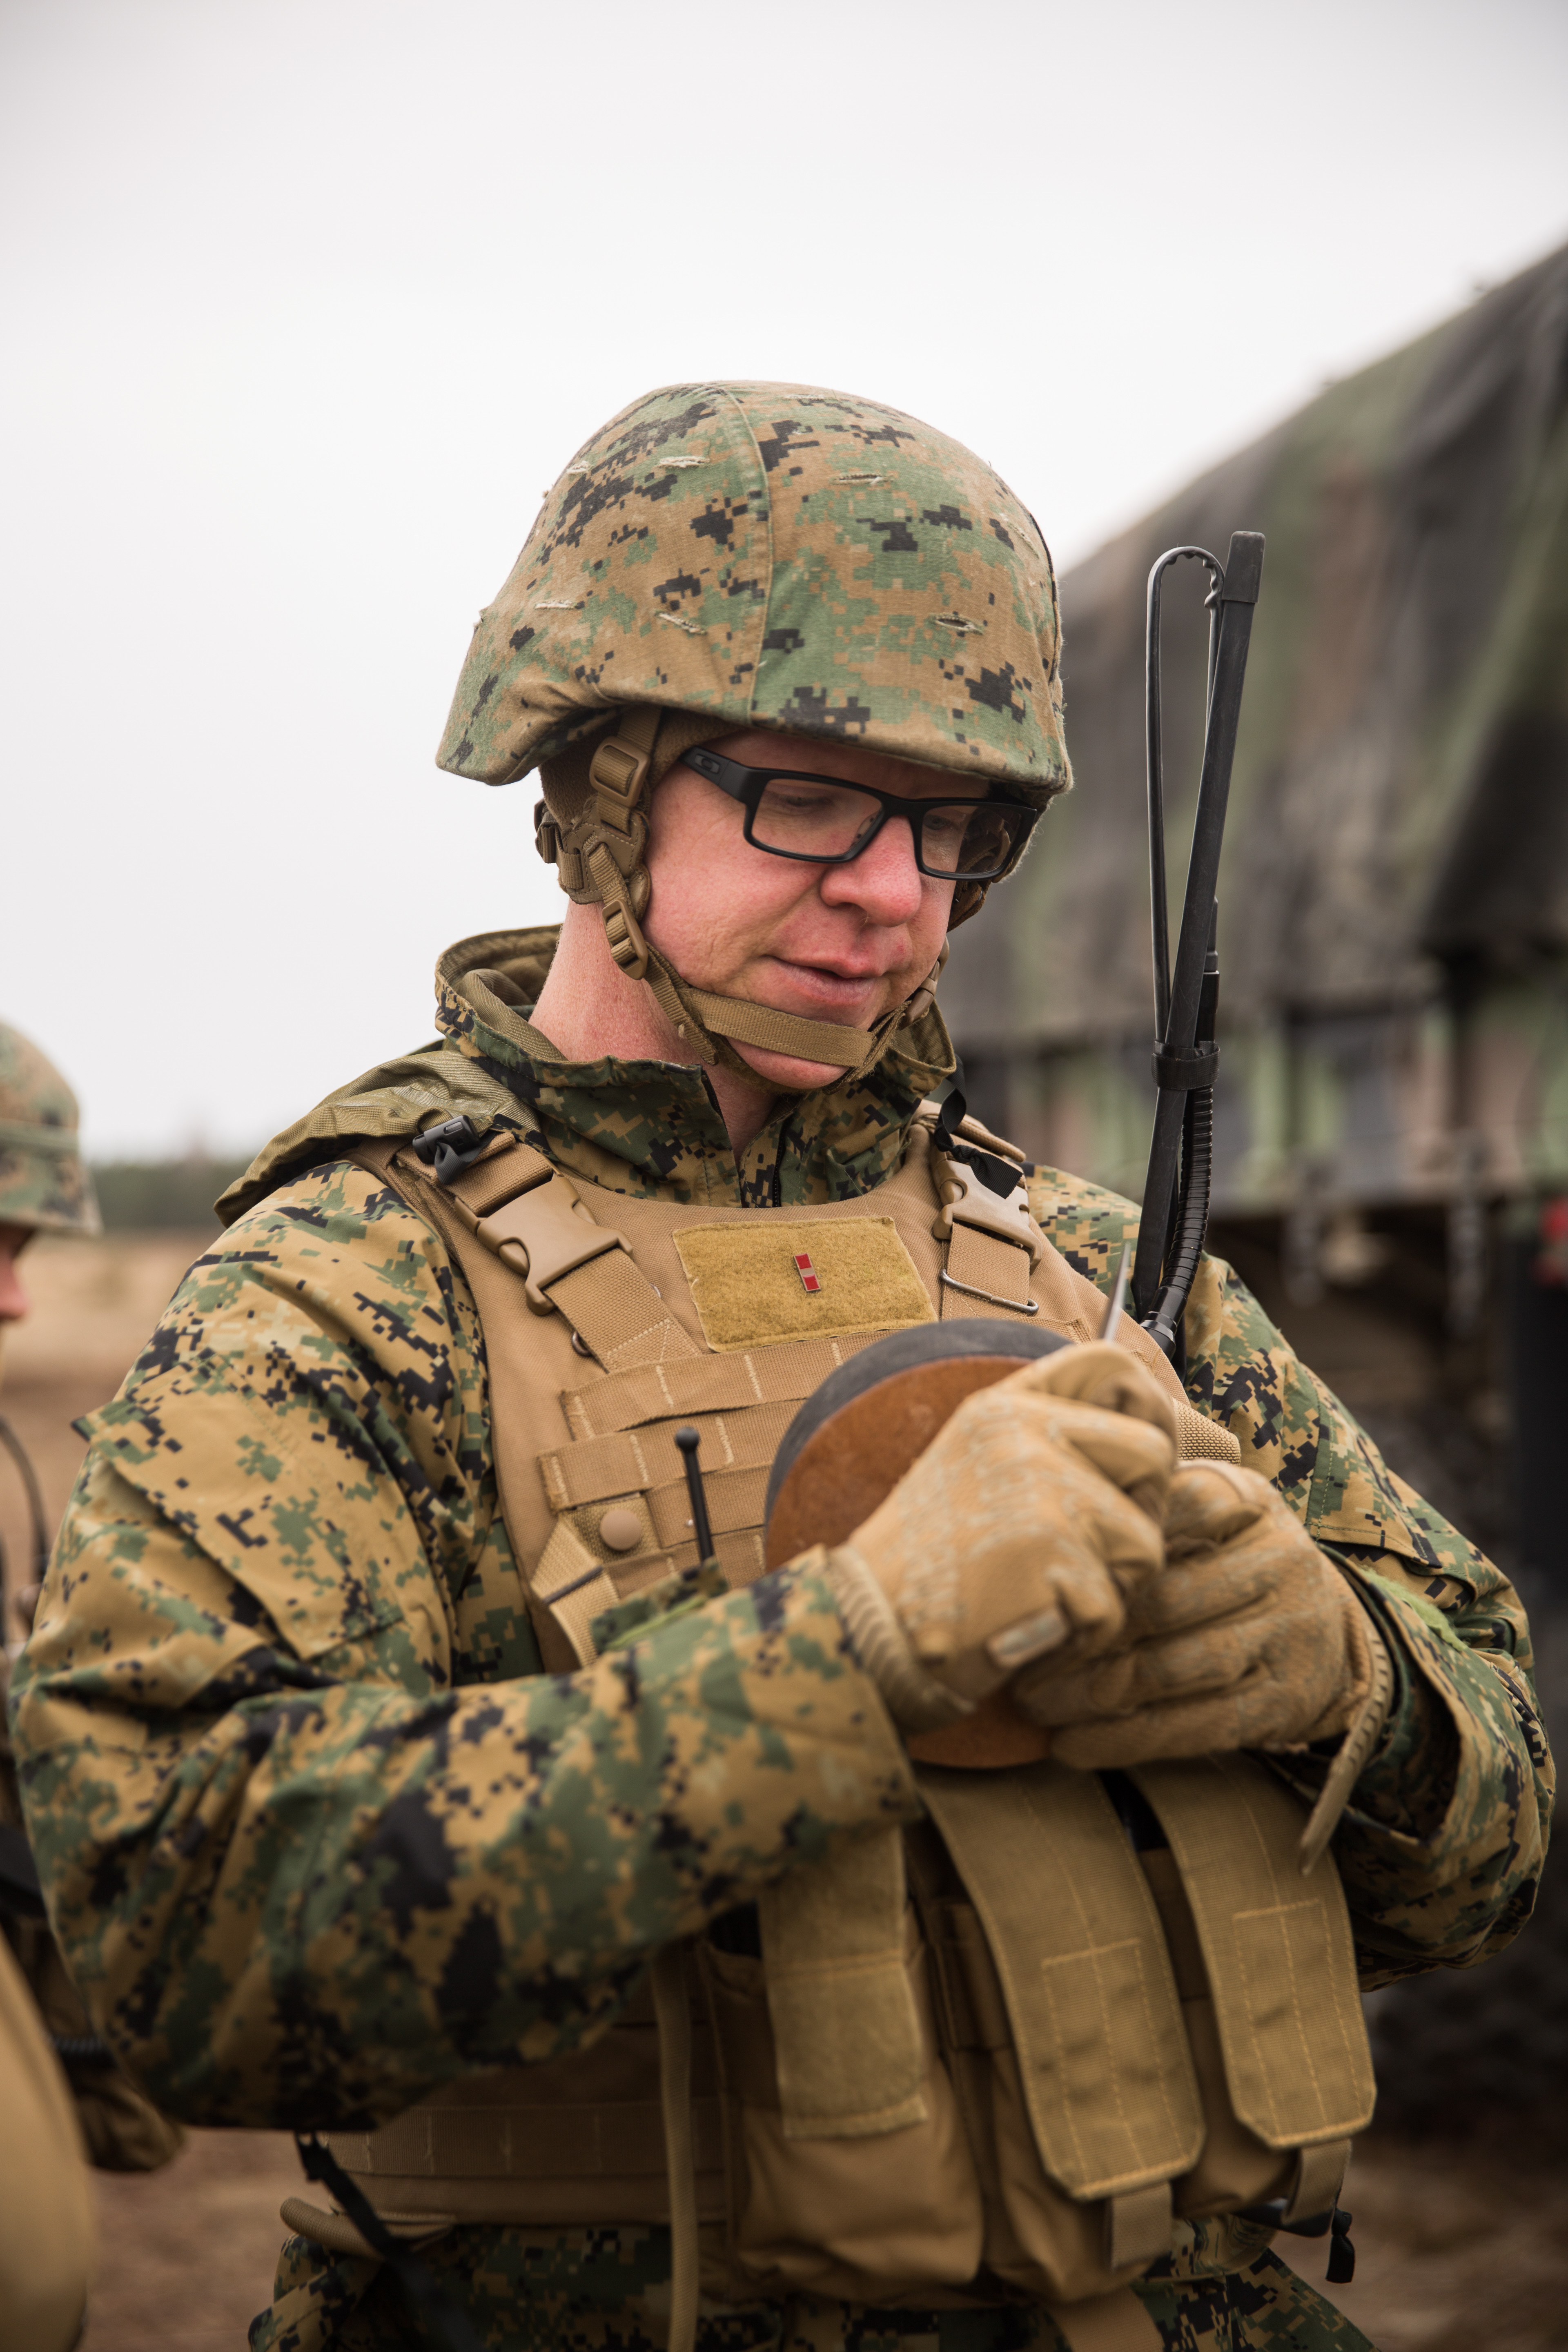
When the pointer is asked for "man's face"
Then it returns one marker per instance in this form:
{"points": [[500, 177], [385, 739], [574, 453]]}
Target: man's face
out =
{"points": [[840, 943], [13, 1299]]}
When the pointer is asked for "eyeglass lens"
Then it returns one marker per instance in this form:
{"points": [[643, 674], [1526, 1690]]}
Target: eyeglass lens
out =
{"points": [[959, 840]]}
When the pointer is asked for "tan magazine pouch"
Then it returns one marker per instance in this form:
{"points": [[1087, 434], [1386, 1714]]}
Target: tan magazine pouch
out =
{"points": [[1282, 2033], [1176, 2032], [846, 2165], [1065, 2026]]}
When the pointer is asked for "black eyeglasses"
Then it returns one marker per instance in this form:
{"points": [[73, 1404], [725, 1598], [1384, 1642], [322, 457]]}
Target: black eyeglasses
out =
{"points": [[791, 814]]}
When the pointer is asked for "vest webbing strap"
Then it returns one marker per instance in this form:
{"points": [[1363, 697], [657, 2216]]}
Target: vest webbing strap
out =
{"points": [[618, 1314], [672, 2008], [673, 1390], [984, 1276], [517, 2142]]}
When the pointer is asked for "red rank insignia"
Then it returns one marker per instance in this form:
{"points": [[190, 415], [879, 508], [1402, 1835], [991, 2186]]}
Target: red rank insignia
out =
{"points": [[809, 1278]]}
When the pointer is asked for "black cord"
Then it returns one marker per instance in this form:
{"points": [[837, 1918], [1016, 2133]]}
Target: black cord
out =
{"points": [[1197, 1177], [450, 2327], [29, 1476]]}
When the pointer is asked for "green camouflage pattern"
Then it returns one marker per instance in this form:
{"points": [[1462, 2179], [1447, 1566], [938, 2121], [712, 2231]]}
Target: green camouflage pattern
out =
{"points": [[1392, 914], [782, 557], [43, 1180], [608, 2291], [318, 1834]]}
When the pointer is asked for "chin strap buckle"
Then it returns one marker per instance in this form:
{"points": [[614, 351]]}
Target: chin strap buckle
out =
{"points": [[627, 944], [616, 775]]}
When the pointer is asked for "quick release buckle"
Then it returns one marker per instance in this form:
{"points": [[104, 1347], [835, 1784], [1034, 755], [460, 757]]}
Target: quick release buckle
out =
{"points": [[968, 1200], [544, 1232]]}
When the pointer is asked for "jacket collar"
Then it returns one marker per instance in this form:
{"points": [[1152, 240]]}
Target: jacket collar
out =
{"points": [[653, 1128]]}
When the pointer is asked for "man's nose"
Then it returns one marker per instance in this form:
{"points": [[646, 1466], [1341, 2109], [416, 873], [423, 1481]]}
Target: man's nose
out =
{"points": [[884, 881]]}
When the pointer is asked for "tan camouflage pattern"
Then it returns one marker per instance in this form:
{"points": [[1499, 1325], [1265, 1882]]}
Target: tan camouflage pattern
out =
{"points": [[44, 1181], [320, 1836], [782, 557]]}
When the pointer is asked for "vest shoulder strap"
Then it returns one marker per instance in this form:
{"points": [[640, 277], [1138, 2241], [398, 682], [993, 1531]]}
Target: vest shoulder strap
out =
{"points": [[513, 1215]]}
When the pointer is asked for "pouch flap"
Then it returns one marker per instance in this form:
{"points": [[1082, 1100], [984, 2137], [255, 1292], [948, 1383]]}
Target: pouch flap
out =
{"points": [[1277, 1947], [1076, 1939]]}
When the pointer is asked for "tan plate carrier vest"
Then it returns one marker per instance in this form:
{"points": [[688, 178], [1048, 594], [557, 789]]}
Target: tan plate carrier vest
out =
{"points": [[987, 2058]]}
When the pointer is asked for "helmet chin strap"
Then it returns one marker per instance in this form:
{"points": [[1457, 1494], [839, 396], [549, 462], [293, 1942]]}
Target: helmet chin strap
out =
{"points": [[709, 1023], [606, 844]]}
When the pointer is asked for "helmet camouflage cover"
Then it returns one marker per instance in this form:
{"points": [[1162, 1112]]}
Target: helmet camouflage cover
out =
{"points": [[758, 555], [43, 1181]]}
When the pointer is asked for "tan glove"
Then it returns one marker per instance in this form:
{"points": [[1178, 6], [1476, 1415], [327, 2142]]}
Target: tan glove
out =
{"points": [[1250, 1639], [1031, 1513]]}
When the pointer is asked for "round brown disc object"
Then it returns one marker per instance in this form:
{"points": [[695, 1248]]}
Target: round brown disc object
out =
{"points": [[853, 1439], [855, 1436]]}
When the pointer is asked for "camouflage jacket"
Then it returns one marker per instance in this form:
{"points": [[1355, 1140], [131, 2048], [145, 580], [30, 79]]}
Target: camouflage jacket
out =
{"points": [[319, 1835]]}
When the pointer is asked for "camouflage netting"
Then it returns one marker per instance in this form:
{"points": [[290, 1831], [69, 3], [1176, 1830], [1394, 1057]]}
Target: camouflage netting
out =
{"points": [[1400, 802], [1393, 924]]}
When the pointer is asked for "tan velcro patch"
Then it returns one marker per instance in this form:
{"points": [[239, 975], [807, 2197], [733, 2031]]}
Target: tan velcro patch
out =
{"points": [[750, 1292]]}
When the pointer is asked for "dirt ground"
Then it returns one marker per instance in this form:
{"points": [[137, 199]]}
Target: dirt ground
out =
{"points": [[1453, 2254], [186, 2255], [1460, 2249]]}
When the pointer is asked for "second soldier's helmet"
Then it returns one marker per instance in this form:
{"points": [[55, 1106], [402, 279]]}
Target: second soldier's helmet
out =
{"points": [[731, 556], [42, 1178]]}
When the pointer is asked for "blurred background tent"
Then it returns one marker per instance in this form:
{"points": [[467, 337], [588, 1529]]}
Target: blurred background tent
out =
{"points": [[1391, 1112]]}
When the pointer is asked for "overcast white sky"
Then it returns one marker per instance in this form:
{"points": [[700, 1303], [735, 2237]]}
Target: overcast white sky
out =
{"points": [[307, 303]]}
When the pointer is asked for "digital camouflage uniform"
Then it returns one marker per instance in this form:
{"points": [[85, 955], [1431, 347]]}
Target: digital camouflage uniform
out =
{"points": [[321, 1837], [45, 1186], [46, 2209]]}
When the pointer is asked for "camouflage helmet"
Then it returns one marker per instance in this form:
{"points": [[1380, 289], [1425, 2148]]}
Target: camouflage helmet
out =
{"points": [[43, 1181], [731, 556]]}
